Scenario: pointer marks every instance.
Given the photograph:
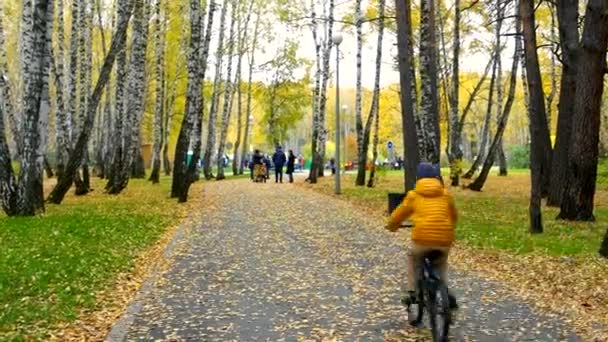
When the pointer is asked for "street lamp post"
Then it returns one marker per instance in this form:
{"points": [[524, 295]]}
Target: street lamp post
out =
{"points": [[337, 39], [346, 131]]}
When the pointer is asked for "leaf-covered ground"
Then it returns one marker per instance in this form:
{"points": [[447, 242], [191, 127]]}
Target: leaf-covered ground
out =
{"points": [[278, 262], [68, 273], [559, 271]]}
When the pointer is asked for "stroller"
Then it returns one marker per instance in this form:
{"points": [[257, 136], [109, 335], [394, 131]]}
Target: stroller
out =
{"points": [[259, 173]]}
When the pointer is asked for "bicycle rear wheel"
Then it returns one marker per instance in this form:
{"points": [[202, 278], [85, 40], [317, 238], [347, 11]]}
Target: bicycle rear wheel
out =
{"points": [[437, 302]]}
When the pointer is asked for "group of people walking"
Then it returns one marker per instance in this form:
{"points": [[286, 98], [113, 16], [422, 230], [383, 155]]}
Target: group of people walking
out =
{"points": [[278, 159]]}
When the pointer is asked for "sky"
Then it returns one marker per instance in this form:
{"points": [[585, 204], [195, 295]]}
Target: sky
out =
{"points": [[469, 62]]}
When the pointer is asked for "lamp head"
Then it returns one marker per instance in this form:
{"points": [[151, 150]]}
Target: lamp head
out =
{"points": [[337, 38]]}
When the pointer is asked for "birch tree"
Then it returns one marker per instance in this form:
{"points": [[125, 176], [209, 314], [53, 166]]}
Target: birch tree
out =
{"points": [[228, 92], [64, 183], [374, 112], [237, 160], [25, 195], [455, 137], [159, 39], [429, 102], [84, 54], [323, 52], [538, 118], [248, 121], [183, 172], [215, 98], [134, 105], [485, 133], [479, 182], [407, 93]]}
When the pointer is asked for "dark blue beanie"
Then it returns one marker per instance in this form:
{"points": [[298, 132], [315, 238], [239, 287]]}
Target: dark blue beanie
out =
{"points": [[428, 170]]}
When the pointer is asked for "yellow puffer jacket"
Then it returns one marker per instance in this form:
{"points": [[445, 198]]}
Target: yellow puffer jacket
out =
{"points": [[432, 211]]}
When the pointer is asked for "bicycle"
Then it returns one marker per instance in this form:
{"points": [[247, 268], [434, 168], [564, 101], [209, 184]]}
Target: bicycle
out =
{"points": [[432, 293]]}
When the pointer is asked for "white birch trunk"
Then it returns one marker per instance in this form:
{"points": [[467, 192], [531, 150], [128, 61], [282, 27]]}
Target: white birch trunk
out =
{"points": [[324, 82], [248, 115], [228, 91], [30, 198], [159, 39], [210, 143], [429, 107], [237, 161]]}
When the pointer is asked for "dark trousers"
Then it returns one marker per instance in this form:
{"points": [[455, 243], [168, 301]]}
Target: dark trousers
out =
{"points": [[278, 173], [290, 177]]}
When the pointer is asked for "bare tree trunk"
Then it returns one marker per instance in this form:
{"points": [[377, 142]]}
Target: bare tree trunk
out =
{"points": [[473, 96], [323, 91], [579, 191], [455, 137], [84, 48], [375, 106], [478, 184], [567, 15], [362, 144], [62, 122], [538, 118], [429, 103], [604, 246], [237, 162], [7, 95], [103, 152], [316, 126], [405, 56], [37, 46], [183, 172], [552, 71], [8, 183], [372, 175], [481, 153], [228, 92], [75, 158], [135, 99], [248, 120], [215, 99], [160, 86]]}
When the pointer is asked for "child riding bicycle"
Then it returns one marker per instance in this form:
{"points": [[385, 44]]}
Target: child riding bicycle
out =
{"points": [[432, 210]]}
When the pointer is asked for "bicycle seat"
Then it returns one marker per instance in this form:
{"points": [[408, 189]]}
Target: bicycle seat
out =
{"points": [[433, 255]]}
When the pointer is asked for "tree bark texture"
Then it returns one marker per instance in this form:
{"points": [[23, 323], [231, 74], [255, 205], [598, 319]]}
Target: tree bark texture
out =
{"points": [[579, 191], [237, 161], [159, 39], [215, 98], [184, 173], [538, 119], [228, 92], [36, 45], [404, 56], [429, 101], [76, 154], [248, 109], [479, 182], [135, 100], [455, 137], [567, 16]]}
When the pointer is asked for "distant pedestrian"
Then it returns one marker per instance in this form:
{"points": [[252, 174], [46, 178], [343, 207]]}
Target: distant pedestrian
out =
{"points": [[268, 164], [291, 163], [278, 158]]}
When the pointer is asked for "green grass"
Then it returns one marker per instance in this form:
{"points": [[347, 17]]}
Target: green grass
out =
{"points": [[52, 266], [497, 218], [492, 221]]}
